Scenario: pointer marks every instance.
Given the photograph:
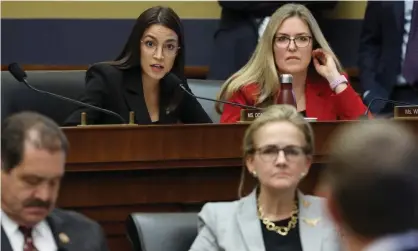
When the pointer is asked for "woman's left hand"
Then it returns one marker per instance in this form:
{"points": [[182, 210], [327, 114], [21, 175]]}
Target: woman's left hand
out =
{"points": [[325, 64]]}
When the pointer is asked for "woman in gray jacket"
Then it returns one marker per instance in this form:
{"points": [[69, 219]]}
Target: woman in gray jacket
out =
{"points": [[278, 150]]}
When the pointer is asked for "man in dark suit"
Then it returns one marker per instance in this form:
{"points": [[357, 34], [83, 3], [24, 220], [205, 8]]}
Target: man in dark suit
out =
{"points": [[33, 153], [373, 186], [241, 24], [388, 53]]}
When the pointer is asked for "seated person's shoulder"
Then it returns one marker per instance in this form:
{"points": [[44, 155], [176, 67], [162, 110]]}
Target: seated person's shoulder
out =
{"points": [[249, 91], [105, 73], [81, 222], [214, 212], [103, 68], [250, 87], [82, 231]]}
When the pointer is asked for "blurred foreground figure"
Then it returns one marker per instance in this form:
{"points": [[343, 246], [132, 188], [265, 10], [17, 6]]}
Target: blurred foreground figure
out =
{"points": [[373, 178]]}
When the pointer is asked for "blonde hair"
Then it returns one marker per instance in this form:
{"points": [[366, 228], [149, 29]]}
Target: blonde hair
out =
{"points": [[274, 113], [261, 68]]}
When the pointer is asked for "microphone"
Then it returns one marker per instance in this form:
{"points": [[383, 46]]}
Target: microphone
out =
{"points": [[364, 116], [385, 100], [20, 76], [173, 78]]}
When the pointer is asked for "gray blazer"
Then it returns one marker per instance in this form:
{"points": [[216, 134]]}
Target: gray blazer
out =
{"points": [[235, 226], [72, 232]]}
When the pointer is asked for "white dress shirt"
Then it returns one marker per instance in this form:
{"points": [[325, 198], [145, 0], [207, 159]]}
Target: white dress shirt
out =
{"points": [[407, 27], [43, 238], [395, 242]]}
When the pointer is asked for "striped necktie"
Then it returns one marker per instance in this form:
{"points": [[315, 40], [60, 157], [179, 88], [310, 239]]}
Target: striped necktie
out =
{"points": [[28, 239]]}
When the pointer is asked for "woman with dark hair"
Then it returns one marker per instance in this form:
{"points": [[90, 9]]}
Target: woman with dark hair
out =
{"points": [[135, 80]]}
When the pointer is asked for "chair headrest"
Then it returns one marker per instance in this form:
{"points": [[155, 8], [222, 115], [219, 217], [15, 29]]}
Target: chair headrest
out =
{"points": [[162, 231]]}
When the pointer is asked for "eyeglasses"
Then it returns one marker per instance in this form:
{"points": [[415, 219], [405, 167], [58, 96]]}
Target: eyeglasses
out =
{"points": [[169, 49], [271, 152], [284, 41]]}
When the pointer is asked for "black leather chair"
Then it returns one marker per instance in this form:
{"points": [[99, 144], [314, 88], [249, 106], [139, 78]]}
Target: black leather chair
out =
{"points": [[17, 97], [161, 231]]}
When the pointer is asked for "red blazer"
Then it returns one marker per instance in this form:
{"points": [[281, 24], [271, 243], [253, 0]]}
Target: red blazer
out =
{"points": [[321, 102]]}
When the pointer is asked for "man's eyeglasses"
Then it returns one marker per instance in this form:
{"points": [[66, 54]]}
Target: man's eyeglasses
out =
{"points": [[170, 49], [271, 152], [284, 41]]}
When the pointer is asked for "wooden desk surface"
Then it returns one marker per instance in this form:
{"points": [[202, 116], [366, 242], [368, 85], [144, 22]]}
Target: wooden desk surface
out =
{"points": [[115, 170]]}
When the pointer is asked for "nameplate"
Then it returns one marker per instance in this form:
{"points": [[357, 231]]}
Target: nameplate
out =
{"points": [[248, 115], [105, 125], [406, 112]]}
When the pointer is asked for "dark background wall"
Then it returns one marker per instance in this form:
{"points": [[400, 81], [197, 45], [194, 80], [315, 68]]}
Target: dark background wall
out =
{"points": [[81, 33]]}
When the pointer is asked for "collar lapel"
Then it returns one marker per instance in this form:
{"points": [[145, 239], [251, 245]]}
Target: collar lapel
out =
{"points": [[5, 243], [249, 224], [166, 94], [310, 224], [134, 96], [62, 239]]}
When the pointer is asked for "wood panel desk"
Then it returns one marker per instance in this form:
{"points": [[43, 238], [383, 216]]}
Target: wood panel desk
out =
{"points": [[115, 170]]}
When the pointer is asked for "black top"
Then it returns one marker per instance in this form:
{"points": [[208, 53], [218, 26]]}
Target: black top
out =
{"points": [[121, 91], [276, 242]]}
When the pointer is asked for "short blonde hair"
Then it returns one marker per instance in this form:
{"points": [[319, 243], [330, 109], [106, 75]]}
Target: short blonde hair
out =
{"points": [[261, 68], [274, 113]]}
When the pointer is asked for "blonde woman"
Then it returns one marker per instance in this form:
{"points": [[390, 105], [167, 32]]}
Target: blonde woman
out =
{"points": [[294, 44], [278, 148]]}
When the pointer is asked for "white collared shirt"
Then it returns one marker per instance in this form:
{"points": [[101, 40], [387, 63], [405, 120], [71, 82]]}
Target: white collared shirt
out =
{"points": [[396, 242], [43, 239], [409, 4]]}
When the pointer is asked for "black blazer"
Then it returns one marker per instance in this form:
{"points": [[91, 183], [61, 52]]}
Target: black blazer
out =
{"points": [[83, 233], [121, 91], [380, 49]]}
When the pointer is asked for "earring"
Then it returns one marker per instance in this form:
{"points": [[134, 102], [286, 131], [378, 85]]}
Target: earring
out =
{"points": [[302, 175], [254, 173]]}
